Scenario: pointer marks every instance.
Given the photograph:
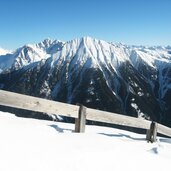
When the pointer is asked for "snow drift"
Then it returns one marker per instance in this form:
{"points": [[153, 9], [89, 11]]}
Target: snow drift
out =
{"points": [[28, 144]]}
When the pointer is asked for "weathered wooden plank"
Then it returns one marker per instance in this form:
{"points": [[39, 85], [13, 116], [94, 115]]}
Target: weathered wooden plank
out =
{"points": [[37, 104], [164, 130], [113, 118]]}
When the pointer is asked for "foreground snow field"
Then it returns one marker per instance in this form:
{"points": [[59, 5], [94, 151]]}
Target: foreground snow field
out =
{"points": [[36, 145]]}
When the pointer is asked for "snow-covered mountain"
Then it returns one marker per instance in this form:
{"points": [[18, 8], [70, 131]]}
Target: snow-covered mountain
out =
{"points": [[28, 54], [132, 80]]}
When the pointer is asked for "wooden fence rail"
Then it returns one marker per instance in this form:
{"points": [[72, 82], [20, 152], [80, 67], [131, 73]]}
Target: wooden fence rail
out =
{"points": [[20, 101], [37, 104]]}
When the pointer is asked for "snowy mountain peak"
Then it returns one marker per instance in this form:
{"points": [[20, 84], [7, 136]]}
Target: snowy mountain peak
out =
{"points": [[46, 43], [99, 51], [50, 46], [88, 40], [87, 50], [28, 54], [4, 51]]}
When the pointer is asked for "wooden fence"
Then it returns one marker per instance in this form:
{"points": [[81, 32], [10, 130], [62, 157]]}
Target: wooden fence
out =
{"points": [[80, 113]]}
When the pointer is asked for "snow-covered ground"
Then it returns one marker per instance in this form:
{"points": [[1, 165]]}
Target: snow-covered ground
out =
{"points": [[37, 145]]}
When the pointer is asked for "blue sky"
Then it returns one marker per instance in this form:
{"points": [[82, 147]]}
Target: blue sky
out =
{"points": [[146, 22]]}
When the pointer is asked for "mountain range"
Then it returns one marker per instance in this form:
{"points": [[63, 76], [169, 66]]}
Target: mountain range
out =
{"points": [[130, 80]]}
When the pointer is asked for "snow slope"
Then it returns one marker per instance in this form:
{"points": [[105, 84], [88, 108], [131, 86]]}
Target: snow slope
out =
{"points": [[36, 145]]}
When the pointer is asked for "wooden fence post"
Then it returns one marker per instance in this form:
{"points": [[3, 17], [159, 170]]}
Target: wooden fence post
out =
{"points": [[81, 120], [152, 133]]}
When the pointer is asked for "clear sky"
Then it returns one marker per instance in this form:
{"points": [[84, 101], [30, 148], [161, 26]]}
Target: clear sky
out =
{"points": [[145, 22]]}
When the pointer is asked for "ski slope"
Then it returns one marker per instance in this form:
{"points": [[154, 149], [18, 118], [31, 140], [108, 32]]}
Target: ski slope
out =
{"points": [[37, 145]]}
